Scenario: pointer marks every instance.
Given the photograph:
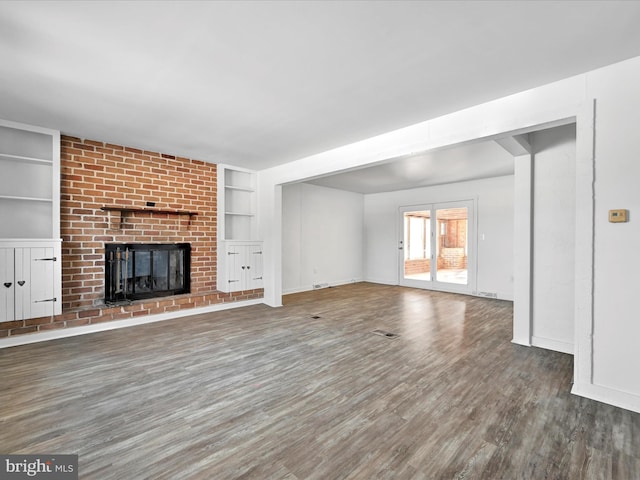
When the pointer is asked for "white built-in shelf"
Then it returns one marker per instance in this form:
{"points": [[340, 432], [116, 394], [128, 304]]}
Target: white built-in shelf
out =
{"points": [[239, 179], [29, 181], [237, 202], [18, 158], [26, 199], [241, 189], [238, 245], [30, 221]]}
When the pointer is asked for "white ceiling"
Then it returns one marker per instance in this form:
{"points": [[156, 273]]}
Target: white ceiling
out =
{"points": [[458, 164], [257, 84]]}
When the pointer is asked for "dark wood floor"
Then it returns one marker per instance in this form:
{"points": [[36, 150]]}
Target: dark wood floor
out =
{"points": [[268, 393]]}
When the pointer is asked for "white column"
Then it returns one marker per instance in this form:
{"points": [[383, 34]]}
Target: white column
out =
{"points": [[523, 248]]}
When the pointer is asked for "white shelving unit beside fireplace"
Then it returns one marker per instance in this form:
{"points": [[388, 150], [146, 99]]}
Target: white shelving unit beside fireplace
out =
{"points": [[237, 230], [30, 245]]}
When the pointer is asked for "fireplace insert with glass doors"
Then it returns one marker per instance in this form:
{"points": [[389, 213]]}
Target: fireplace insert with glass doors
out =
{"points": [[136, 271]]}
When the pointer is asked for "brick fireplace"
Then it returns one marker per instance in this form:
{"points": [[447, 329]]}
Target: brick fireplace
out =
{"points": [[95, 175]]}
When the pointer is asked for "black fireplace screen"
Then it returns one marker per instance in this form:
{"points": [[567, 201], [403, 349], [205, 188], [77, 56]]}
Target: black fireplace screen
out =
{"points": [[136, 271]]}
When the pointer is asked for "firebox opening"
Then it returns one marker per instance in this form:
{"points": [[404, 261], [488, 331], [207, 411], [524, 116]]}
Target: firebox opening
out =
{"points": [[135, 271]]}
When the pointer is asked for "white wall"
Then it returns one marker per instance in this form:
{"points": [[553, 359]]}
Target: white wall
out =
{"points": [[322, 237], [616, 328], [554, 191], [607, 172], [494, 210]]}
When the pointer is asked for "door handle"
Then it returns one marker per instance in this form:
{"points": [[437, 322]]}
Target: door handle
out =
{"points": [[47, 300], [21, 282], [7, 284]]}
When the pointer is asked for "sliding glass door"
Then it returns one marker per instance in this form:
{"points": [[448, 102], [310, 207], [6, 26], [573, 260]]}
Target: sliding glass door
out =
{"points": [[436, 246]]}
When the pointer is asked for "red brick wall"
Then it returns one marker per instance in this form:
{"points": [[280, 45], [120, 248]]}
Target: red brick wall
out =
{"points": [[452, 258], [413, 267], [452, 245], [456, 234], [95, 174]]}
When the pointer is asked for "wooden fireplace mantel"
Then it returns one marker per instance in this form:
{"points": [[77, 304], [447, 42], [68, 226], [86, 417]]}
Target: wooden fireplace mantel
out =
{"points": [[124, 211]]}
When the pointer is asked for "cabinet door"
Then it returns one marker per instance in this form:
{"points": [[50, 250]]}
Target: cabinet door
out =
{"points": [[7, 285], [23, 283], [233, 262], [42, 291], [34, 274], [254, 267]]}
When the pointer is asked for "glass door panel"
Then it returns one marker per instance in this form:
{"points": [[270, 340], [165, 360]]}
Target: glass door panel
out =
{"points": [[142, 276], [160, 270], [452, 251], [417, 245], [176, 270]]}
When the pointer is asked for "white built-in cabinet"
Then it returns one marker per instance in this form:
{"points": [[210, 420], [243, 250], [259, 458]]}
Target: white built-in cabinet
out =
{"points": [[243, 265], [30, 246], [239, 250], [28, 286]]}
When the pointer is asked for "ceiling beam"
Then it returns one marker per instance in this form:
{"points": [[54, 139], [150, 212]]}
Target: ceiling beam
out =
{"points": [[516, 145]]}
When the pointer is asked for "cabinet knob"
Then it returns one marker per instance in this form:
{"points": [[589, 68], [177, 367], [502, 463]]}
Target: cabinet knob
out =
{"points": [[7, 284]]}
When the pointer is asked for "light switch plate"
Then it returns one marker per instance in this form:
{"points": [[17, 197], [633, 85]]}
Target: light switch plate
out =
{"points": [[617, 216]]}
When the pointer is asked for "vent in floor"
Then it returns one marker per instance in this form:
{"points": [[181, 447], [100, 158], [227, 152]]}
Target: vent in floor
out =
{"points": [[384, 334]]}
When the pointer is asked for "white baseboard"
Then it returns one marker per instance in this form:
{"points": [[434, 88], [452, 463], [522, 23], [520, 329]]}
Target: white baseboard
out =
{"points": [[550, 344], [289, 291], [128, 322], [308, 288], [521, 341], [505, 296], [382, 281], [337, 283], [607, 395]]}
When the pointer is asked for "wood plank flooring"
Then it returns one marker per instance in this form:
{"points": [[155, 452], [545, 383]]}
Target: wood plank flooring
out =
{"points": [[263, 393]]}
